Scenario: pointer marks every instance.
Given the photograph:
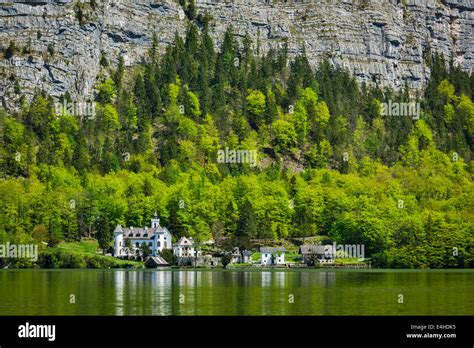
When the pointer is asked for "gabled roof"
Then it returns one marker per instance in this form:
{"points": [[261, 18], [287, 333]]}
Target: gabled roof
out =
{"points": [[185, 241], [138, 232], [141, 232], [270, 250], [244, 253], [316, 249], [155, 261]]}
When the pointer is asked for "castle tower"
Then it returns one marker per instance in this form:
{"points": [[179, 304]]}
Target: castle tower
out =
{"points": [[155, 222], [118, 241]]}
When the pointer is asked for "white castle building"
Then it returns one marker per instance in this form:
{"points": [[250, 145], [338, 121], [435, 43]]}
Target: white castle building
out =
{"points": [[156, 237]]}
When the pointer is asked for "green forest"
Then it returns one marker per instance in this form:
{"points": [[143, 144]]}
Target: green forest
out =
{"points": [[329, 163]]}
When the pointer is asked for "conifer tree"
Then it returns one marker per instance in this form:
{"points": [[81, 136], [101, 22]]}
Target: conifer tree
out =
{"points": [[247, 223]]}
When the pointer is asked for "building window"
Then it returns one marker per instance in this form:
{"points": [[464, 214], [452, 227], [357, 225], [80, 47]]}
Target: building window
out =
{"points": [[158, 244], [150, 244], [137, 245], [120, 244]]}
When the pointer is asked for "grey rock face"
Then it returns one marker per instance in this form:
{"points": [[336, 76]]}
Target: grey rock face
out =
{"points": [[379, 41]]}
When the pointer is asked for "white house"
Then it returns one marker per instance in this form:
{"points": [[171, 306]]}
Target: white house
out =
{"points": [[156, 237], [184, 247], [241, 257], [272, 256]]}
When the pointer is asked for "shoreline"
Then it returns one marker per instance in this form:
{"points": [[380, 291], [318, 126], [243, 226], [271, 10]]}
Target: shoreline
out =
{"points": [[249, 269]]}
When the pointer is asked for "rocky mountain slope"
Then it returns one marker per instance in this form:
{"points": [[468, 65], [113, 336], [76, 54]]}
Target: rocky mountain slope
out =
{"points": [[57, 45]]}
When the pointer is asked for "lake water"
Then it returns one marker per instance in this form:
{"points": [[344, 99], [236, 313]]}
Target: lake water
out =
{"points": [[236, 292]]}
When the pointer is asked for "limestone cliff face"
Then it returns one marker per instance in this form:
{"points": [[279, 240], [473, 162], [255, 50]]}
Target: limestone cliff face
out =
{"points": [[380, 41]]}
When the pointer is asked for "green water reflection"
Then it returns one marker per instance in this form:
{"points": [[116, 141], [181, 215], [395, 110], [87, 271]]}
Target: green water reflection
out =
{"points": [[216, 292]]}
